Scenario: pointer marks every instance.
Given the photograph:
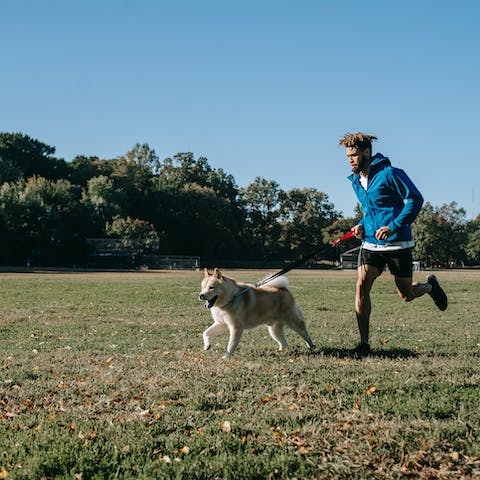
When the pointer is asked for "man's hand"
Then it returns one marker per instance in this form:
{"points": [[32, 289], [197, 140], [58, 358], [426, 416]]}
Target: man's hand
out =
{"points": [[383, 233], [358, 230]]}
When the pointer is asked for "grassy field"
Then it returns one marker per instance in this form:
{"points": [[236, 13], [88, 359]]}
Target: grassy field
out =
{"points": [[103, 376]]}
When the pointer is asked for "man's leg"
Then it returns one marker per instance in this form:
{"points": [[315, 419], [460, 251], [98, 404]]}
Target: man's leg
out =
{"points": [[366, 275], [408, 291]]}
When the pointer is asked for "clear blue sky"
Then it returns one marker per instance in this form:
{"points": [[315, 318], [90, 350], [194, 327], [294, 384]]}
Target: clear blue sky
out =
{"points": [[259, 87]]}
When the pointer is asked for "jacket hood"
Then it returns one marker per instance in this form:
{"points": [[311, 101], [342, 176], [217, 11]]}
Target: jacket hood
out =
{"points": [[378, 158], [379, 162]]}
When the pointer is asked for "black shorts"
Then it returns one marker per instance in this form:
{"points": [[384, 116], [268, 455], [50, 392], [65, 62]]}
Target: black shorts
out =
{"points": [[399, 261]]}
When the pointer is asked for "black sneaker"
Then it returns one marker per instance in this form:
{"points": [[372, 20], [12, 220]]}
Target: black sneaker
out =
{"points": [[437, 293], [362, 350]]}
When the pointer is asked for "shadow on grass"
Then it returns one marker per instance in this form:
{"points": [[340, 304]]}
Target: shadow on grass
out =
{"points": [[393, 353]]}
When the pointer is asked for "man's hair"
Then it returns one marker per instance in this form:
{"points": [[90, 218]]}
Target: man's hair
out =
{"points": [[359, 140]]}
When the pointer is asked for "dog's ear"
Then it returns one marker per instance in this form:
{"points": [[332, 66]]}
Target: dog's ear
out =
{"points": [[207, 273], [217, 273]]}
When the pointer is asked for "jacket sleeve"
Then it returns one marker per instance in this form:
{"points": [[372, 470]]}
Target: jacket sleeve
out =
{"points": [[412, 200]]}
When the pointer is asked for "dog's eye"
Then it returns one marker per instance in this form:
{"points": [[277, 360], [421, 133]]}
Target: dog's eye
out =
{"points": [[211, 287]]}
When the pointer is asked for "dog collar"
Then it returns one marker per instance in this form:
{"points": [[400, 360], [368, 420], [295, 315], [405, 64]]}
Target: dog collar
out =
{"points": [[238, 294]]}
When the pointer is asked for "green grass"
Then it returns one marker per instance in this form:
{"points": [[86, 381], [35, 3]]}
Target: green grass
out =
{"points": [[103, 376]]}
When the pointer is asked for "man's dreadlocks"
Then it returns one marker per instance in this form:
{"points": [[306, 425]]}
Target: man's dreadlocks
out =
{"points": [[359, 140]]}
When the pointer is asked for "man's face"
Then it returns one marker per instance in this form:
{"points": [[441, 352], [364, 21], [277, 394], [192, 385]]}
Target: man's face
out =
{"points": [[358, 159]]}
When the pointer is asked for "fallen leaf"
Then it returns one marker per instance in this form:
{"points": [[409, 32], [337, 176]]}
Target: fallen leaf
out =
{"points": [[298, 440], [3, 473], [226, 426], [371, 390], [185, 450], [305, 450], [454, 456]]}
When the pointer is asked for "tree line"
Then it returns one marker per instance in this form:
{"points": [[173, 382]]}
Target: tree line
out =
{"points": [[180, 206]]}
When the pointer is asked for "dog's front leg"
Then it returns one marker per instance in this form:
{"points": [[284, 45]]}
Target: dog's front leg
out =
{"points": [[215, 329], [234, 340]]}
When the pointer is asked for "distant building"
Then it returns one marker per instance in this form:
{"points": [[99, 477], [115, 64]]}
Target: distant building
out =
{"points": [[116, 253], [349, 259], [109, 253]]}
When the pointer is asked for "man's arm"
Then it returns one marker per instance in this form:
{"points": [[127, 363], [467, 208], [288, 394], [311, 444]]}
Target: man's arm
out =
{"points": [[413, 200]]}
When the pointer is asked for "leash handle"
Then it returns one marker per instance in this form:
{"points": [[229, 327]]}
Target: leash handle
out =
{"points": [[348, 235]]}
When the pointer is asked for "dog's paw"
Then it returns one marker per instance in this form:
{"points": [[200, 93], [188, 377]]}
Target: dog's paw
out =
{"points": [[206, 347], [226, 355]]}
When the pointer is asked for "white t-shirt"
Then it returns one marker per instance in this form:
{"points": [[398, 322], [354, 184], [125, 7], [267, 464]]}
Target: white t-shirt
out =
{"points": [[387, 247]]}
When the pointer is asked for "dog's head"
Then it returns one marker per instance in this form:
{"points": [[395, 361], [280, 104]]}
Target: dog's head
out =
{"points": [[212, 287]]}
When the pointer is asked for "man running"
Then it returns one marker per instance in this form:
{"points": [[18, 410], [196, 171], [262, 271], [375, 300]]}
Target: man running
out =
{"points": [[390, 203]]}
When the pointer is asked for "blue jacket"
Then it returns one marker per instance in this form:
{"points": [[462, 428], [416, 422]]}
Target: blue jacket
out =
{"points": [[391, 200]]}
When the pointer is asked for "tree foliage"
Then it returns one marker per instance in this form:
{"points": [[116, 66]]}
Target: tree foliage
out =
{"points": [[22, 156], [440, 235], [180, 205], [261, 202], [473, 241], [135, 235], [304, 215], [41, 221]]}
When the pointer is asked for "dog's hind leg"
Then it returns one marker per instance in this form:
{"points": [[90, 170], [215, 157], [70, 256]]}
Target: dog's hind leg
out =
{"points": [[215, 329], [276, 332], [297, 324], [302, 331]]}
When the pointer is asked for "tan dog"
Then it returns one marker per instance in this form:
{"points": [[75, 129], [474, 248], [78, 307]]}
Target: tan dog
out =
{"points": [[238, 306]]}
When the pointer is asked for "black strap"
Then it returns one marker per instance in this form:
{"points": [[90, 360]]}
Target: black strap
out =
{"points": [[292, 265]]}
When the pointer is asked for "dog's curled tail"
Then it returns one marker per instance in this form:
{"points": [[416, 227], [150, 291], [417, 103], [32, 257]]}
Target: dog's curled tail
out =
{"points": [[279, 282]]}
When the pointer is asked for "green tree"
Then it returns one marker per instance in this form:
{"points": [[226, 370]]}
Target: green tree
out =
{"points": [[83, 168], [104, 197], [144, 156], [42, 221], [136, 235], [304, 215], [261, 202], [184, 169], [439, 234], [9, 170], [473, 241], [22, 156], [188, 195], [203, 223]]}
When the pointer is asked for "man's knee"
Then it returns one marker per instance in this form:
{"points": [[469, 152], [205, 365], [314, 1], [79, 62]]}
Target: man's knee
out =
{"points": [[365, 284], [361, 288]]}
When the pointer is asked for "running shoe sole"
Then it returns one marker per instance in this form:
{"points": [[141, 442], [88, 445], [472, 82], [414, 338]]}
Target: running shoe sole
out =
{"points": [[437, 293]]}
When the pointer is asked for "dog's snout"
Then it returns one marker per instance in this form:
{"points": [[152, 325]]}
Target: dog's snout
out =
{"points": [[201, 296]]}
